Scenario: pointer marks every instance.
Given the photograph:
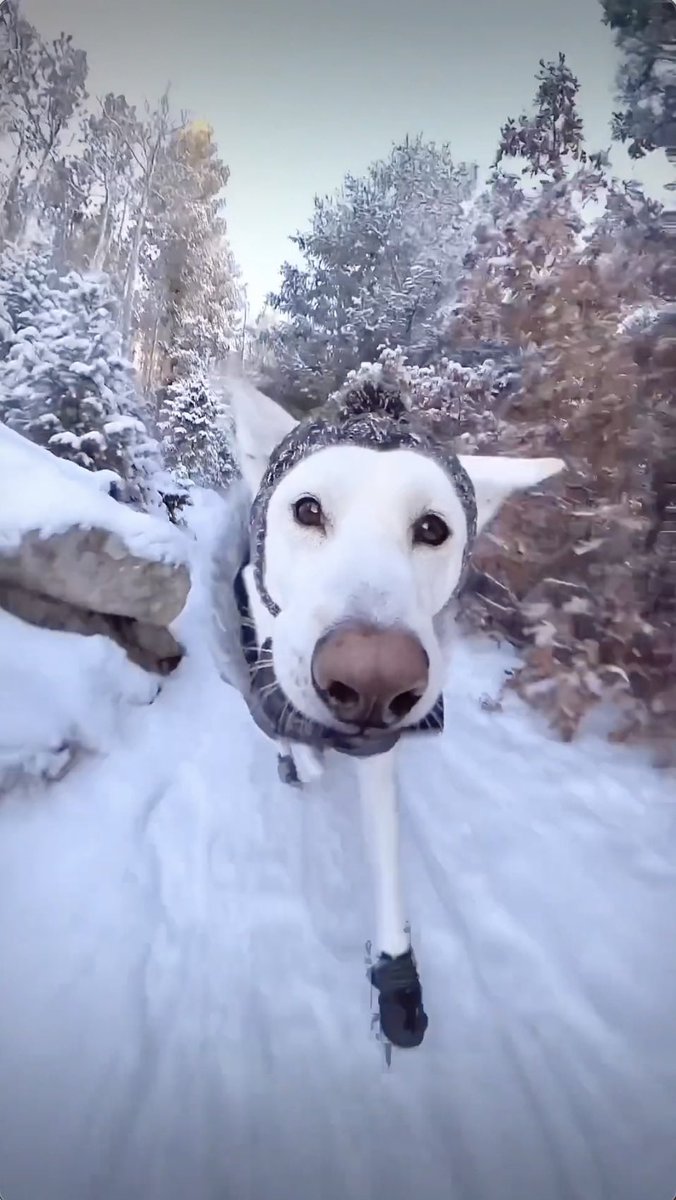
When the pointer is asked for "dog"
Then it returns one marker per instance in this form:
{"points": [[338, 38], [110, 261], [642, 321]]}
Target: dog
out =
{"points": [[357, 529]]}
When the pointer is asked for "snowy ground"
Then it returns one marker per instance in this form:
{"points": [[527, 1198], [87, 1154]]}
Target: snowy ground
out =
{"points": [[183, 1006]]}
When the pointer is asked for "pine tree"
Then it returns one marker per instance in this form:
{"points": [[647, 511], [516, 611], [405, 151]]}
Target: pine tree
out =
{"points": [[63, 381], [193, 440], [380, 260], [25, 278]]}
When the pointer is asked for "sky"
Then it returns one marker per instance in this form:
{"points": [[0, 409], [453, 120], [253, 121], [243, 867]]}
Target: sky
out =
{"points": [[301, 91]]}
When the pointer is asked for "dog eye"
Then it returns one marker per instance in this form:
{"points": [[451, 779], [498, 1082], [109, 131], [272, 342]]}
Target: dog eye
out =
{"points": [[308, 511], [430, 530]]}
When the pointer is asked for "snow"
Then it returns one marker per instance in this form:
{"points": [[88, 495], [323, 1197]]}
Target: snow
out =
{"points": [[39, 491], [122, 425], [184, 1012], [74, 703]]}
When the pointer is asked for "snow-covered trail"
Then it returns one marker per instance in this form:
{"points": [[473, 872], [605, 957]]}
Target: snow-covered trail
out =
{"points": [[184, 1010]]}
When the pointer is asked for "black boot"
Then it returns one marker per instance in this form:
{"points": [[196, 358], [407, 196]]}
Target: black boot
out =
{"points": [[403, 1019]]}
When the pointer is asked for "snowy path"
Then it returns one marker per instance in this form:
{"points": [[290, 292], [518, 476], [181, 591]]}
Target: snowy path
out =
{"points": [[183, 1008]]}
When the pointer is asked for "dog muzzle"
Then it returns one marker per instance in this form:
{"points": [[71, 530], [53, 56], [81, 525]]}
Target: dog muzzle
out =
{"points": [[274, 713]]}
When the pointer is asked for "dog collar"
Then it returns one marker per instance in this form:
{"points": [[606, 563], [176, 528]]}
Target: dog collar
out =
{"points": [[371, 417]]}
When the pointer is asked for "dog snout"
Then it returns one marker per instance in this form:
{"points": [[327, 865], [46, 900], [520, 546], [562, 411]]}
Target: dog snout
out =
{"points": [[368, 676]]}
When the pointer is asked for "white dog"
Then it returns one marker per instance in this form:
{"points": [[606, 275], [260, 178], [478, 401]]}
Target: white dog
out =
{"points": [[359, 527]]}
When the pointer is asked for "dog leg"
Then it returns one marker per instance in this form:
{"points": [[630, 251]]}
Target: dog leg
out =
{"points": [[380, 818], [299, 765], [402, 1017]]}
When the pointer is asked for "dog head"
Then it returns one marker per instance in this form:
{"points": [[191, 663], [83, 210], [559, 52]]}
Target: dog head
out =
{"points": [[360, 533]]}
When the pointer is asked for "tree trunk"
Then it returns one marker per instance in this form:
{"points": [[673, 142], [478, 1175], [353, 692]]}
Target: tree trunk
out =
{"points": [[30, 216], [137, 241], [103, 243]]}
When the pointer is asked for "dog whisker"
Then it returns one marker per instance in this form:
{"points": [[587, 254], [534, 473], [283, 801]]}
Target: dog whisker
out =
{"points": [[259, 668]]}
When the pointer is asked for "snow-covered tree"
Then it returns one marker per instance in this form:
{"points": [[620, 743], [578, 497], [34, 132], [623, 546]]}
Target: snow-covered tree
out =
{"points": [[138, 195], [550, 138], [110, 172], [380, 259], [63, 380], [153, 135], [26, 276], [194, 441], [190, 290], [43, 90]]}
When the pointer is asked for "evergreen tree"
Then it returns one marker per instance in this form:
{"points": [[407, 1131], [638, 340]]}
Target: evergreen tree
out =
{"points": [[194, 442], [380, 260], [186, 421], [26, 277], [63, 380]]}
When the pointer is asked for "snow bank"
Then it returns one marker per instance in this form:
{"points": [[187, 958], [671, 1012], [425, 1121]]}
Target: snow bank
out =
{"points": [[39, 491], [63, 695]]}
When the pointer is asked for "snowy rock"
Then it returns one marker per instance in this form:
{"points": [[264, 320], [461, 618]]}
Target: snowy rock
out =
{"points": [[95, 569], [73, 559]]}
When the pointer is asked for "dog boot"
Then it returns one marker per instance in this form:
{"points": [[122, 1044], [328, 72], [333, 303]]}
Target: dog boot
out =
{"points": [[403, 1019]]}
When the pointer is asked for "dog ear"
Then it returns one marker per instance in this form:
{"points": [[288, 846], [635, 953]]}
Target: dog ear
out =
{"points": [[496, 478], [260, 424]]}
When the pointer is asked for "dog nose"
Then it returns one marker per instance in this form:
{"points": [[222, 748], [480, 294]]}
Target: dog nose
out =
{"points": [[370, 676]]}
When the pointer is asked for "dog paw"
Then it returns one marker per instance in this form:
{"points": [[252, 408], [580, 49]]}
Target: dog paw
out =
{"points": [[309, 763], [403, 1019], [286, 769], [300, 766]]}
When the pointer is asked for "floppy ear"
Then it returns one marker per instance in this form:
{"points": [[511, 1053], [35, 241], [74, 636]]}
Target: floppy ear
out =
{"points": [[495, 479], [260, 424]]}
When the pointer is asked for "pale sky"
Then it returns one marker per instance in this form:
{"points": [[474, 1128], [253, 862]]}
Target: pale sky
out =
{"points": [[301, 91]]}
